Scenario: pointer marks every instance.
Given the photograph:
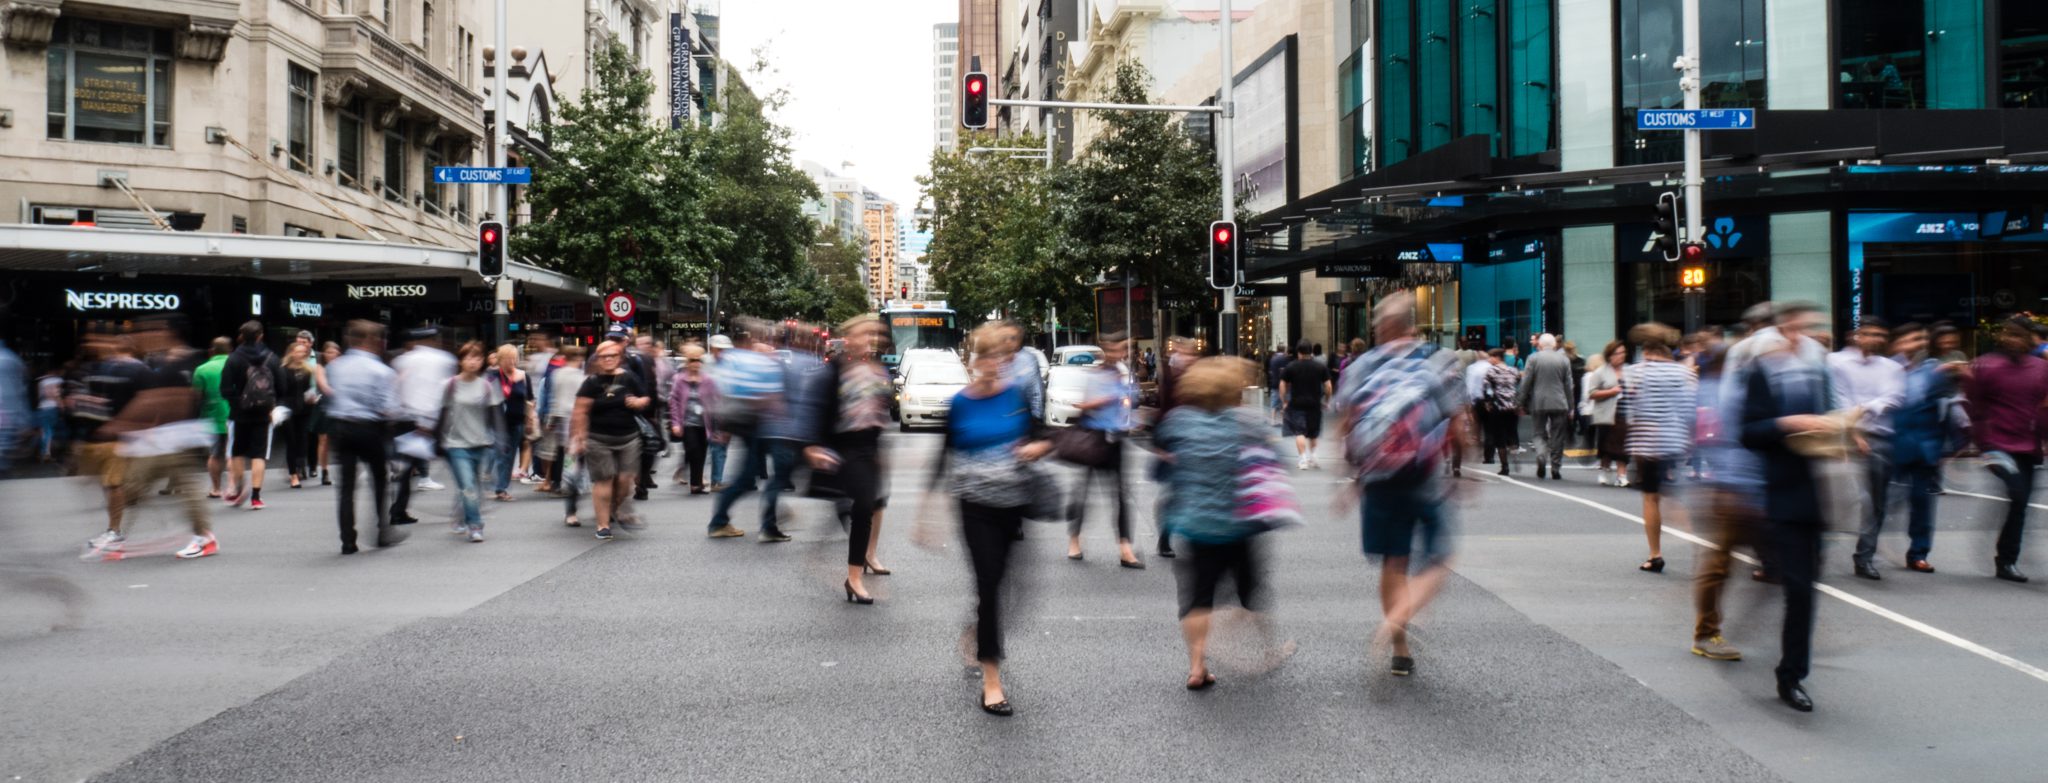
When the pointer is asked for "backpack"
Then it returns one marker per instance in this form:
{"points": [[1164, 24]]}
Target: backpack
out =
{"points": [[1398, 422], [259, 388]]}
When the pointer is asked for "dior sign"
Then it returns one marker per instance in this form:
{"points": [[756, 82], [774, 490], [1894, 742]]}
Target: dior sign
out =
{"points": [[87, 301]]}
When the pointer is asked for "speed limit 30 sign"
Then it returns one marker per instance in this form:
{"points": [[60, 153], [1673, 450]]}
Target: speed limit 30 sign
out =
{"points": [[619, 306]]}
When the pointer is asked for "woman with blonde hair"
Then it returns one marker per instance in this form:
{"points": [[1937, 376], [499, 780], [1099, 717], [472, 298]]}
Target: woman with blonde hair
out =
{"points": [[603, 432], [850, 409], [514, 414], [991, 442]]}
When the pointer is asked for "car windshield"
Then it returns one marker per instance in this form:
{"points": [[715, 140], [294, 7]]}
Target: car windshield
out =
{"points": [[936, 374], [1067, 380]]}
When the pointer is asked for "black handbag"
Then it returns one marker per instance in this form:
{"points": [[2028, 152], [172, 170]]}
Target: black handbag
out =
{"points": [[1085, 447]]}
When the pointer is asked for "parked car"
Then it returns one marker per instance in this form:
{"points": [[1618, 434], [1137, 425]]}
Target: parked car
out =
{"points": [[927, 392], [1066, 386], [913, 358]]}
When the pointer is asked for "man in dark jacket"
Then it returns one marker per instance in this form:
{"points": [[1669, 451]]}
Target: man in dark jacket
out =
{"points": [[251, 382], [1786, 396]]}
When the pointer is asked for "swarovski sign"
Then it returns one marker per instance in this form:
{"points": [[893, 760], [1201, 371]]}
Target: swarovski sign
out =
{"points": [[407, 291], [103, 300]]}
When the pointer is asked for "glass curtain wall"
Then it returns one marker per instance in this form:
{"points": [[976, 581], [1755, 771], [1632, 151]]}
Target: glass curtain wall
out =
{"points": [[1731, 67], [2023, 54], [1911, 54], [1443, 66]]}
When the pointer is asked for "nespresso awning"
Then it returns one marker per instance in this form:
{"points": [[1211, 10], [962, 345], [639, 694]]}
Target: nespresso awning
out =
{"points": [[32, 248]]}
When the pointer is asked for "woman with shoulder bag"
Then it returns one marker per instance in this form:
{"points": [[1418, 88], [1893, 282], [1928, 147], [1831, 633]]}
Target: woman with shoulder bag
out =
{"points": [[844, 446], [992, 441], [515, 392], [1208, 438], [1105, 425]]}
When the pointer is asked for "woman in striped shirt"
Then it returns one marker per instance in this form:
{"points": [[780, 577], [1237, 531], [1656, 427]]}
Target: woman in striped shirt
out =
{"points": [[1658, 398]]}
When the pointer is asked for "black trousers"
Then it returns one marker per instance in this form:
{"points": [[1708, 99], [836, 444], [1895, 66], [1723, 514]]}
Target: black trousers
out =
{"points": [[295, 442], [1112, 470], [403, 500], [696, 444], [1502, 431], [860, 476], [1797, 566], [2019, 491], [361, 444], [990, 533]]}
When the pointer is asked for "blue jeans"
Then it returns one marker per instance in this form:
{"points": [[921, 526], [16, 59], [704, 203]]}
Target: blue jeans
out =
{"points": [[52, 430], [717, 463], [467, 465], [778, 451], [507, 453]]}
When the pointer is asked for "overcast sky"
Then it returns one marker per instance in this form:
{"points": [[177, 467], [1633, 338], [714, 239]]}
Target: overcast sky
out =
{"points": [[859, 78]]}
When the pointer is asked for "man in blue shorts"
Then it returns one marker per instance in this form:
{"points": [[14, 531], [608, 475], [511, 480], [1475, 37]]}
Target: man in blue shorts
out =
{"points": [[1401, 410]]}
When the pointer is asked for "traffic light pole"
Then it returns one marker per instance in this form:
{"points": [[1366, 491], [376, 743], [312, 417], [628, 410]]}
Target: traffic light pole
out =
{"points": [[1689, 83], [500, 315], [1226, 159]]}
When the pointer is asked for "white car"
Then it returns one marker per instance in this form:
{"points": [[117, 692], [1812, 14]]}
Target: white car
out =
{"points": [[1066, 387], [927, 392]]}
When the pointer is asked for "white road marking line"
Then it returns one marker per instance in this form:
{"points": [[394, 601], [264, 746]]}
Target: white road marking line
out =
{"points": [[1966, 645], [1993, 497]]}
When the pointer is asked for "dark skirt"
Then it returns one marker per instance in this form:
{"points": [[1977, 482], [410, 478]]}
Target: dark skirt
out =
{"points": [[1611, 440]]}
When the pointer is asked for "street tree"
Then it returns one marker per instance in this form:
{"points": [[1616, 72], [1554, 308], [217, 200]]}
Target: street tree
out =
{"points": [[757, 195], [621, 203], [1140, 199], [993, 236]]}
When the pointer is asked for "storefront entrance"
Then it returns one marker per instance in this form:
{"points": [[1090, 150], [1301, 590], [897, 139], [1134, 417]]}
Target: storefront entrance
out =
{"points": [[1932, 267]]}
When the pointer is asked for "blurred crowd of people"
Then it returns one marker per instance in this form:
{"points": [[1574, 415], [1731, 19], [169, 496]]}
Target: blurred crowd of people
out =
{"points": [[1747, 416]]}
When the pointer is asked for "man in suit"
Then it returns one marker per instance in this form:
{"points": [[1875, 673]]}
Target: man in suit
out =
{"points": [[1786, 396], [1546, 395]]}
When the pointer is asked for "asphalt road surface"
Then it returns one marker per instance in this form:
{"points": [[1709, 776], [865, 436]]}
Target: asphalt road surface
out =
{"points": [[543, 654]]}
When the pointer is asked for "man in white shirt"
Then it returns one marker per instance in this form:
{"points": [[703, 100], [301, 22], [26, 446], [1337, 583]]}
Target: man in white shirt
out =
{"points": [[1863, 376], [423, 373], [1475, 389]]}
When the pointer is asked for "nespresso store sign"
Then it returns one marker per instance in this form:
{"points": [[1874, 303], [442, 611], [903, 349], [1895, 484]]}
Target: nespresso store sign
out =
{"points": [[96, 301], [406, 291]]}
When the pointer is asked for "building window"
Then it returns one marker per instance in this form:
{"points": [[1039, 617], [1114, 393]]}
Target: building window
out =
{"points": [[109, 82], [1912, 54], [1731, 68], [394, 164], [1451, 68], [428, 160], [2022, 54], [299, 119], [348, 143], [427, 30], [301, 231]]}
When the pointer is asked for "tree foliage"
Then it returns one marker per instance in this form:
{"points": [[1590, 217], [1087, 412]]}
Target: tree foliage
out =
{"points": [[757, 194], [1142, 197], [622, 202], [1009, 235], [993, 236]]}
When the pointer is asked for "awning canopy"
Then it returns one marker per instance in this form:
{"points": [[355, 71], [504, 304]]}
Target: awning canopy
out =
{"points": [[33, 248]]}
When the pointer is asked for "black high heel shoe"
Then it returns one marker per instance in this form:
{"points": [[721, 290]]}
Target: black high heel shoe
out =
{"points": [[856, 598], [871, 568], [1654, 565]]}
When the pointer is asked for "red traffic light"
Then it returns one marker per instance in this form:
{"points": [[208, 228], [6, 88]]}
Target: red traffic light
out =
{"points": [[490, 235], [975, 86], [1222, 235], [1694, 252]]}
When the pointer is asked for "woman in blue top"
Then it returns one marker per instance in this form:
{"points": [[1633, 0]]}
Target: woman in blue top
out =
{"points": [[1206, 437], [991, 437], [1106, 415]]}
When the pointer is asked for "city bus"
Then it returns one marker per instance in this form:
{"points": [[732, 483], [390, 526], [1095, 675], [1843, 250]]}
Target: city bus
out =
{"points": [[919, 325]]}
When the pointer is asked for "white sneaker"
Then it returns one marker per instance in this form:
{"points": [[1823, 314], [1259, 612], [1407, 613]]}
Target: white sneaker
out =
{"points": [[1301, 463], [106, 541], [1604, 480], [428, 485], [476, 536], [200, 546], [1314, 464], [1621, 478]]}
